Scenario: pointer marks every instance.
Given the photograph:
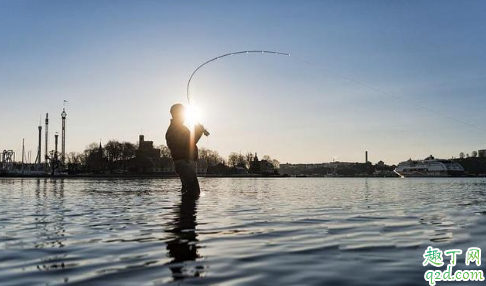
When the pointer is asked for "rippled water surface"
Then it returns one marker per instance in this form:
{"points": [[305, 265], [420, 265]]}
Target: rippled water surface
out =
{"points": [[287, 231]]}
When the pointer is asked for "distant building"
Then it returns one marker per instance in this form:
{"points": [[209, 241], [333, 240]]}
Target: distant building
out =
{"points": [[220, 169], [312, 169], [146, 148], [482, 153], [261, 166], [336, 169], [240, 170], [148, 159]]}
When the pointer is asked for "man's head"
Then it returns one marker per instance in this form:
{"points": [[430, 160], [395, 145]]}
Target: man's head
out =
{"points": [[177, 112]]}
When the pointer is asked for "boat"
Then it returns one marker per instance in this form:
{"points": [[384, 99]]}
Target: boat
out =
{"points": [[429, 167]]}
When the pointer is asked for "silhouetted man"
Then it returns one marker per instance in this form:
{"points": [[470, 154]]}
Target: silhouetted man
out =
{"points": [[182, 144]]}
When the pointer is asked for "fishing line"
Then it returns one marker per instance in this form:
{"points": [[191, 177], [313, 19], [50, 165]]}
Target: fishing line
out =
{"points": [[392, 95], [206, 132], [347, 78], [226, 55]]}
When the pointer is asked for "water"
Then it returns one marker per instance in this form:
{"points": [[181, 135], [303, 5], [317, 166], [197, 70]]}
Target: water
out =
{"points": [[288, 231]]}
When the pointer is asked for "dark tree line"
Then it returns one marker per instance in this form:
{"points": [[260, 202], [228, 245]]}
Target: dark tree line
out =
{"points": [[116, 155], [239, 160], [113, 150], [474, 154]]}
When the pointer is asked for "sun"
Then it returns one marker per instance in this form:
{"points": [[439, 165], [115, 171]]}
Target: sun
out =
{"points": [[192, 116]]}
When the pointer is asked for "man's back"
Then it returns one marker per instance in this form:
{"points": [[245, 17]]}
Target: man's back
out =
{"points": [[180, 142], [178, 139]]}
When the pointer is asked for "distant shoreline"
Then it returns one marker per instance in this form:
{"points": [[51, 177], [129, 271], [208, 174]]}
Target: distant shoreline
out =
{"points": [[133, 176], [174, 176]]}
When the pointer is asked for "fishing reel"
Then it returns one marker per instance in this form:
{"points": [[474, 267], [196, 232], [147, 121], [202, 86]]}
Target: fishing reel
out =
{"points": [[205, 131]]}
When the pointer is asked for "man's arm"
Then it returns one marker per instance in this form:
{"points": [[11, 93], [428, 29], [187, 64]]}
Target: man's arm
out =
{"points": [[198, 132]]}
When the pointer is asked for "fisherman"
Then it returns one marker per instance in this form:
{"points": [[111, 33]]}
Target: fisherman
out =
{"points": [[182, 144]]}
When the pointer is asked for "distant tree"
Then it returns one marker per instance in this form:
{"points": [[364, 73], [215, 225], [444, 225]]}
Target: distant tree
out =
{"points": [[467, 155], [93, 147], [75, 158], [128, 150], [249, 157], [474, 154], [461, 155], [233, 159], [209, 157], [164, 151], [275, 163], [113, 150], [71, 158], [236, 159]]}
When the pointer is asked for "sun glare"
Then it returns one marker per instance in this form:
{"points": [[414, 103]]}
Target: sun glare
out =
{"points": [[193, 116]]}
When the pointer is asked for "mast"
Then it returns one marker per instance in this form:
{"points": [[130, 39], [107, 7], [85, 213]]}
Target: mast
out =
{"points": [[63, 142], [55, 163], [56, 137], [23, 153], [38, 159], [46, 158]]}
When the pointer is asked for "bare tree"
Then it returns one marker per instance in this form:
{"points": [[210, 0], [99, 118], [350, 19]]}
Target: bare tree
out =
{"points": [[236, 159], [266, 158], [164, 151], [128, 150], [274, 162], [210, 157], [461, 155], [233, 159], [474, 154], [93, 147], [249, 157], [113, 150], [90, 149], [74, 158]]}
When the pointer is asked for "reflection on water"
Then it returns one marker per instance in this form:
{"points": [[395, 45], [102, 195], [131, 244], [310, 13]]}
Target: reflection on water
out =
{"points": [[239, 232], [183, 246], [49, 228]]}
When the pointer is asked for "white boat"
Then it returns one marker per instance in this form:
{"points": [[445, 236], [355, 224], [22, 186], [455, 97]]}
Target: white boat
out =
{"points": [[429, 167]]}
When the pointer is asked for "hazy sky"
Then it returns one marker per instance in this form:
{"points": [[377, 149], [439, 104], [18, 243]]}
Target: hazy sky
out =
{"points": [[122, 64]]}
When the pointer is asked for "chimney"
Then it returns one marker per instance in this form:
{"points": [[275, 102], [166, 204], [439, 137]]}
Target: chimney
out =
{"points": [[366, 156]]}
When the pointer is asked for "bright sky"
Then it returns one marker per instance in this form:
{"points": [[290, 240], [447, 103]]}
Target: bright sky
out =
{"points": [[122, 64]]}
